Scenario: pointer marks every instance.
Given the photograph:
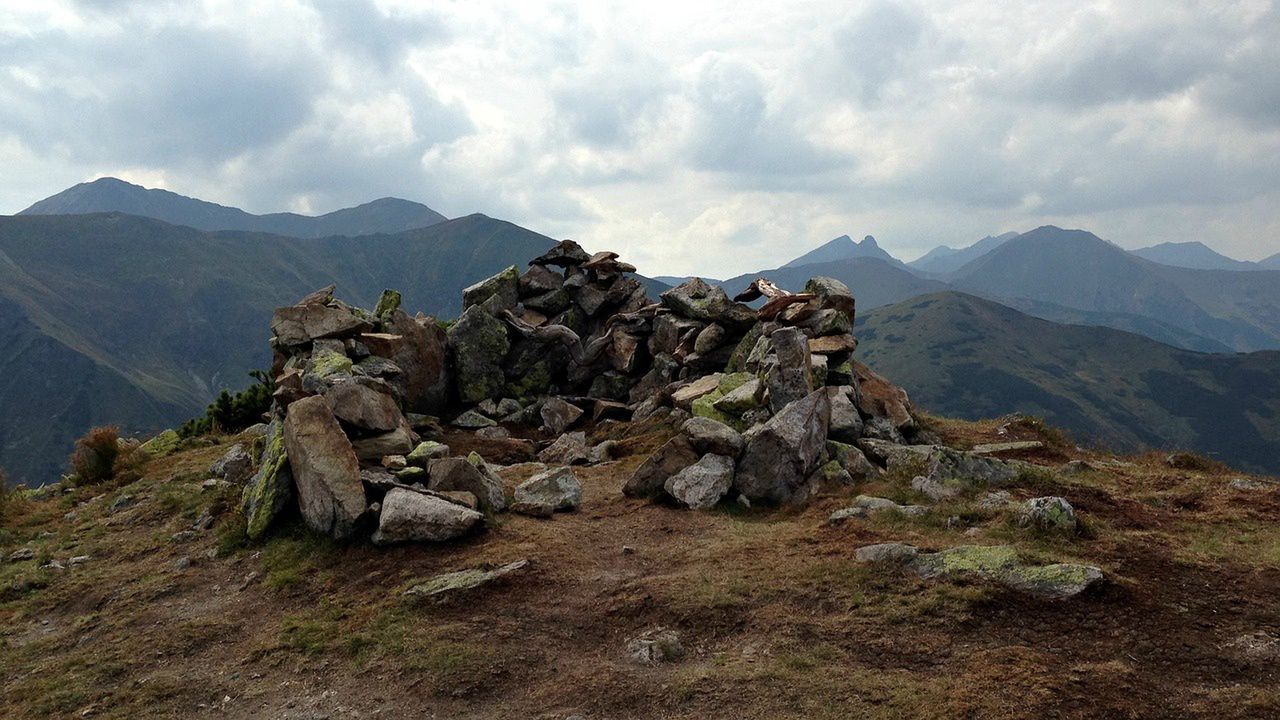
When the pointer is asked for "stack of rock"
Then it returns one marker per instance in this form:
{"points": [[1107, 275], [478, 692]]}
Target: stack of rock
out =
{"points": [[784, 416], [774, 400]]}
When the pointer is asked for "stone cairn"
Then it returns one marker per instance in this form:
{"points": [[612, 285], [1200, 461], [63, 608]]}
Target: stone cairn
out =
{"points": [[770, 403]]}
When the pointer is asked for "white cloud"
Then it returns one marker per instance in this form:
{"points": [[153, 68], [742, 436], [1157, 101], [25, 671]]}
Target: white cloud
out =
{"points": [[714, 137]]}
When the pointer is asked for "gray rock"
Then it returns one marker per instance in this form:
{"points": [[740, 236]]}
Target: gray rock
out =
{"points": [[121, 503], [832, 294], [557, 489], [300, 324], [865, 505], [697, 300], [566, 253], [445, 585], [472, 420], [887, 553], [568, 449], [21, 554], [499, 292], [493, 432], [685, 395], [710, 338], [852, 460], [467, 475], [369, 407], [558, 415], [602, 452], [781, 454], [538, 280], [419, 350], [702, 485], [947, 471], [325, 469], [409, 516], [650, 477], [790, 379], [746, 397], [1051, 514], [374, 447], [236, 465], [846, 423], [655, 646], [710, 436], [995, 500]]}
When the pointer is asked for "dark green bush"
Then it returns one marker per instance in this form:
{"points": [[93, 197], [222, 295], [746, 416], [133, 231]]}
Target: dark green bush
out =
{"points": [[232, 413]]}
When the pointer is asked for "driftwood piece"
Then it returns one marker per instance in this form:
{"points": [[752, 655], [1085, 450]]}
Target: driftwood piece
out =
{"points": [[771, 309], [760, 287]]}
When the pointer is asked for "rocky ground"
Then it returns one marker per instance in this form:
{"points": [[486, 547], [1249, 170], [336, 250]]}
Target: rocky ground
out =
{"points": [[145, 600]]}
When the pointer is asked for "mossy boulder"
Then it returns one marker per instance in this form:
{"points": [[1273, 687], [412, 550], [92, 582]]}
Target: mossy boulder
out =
{"points": [[271, 488], [162, 444], [388, 303], [478, 343], [1002, 564]]}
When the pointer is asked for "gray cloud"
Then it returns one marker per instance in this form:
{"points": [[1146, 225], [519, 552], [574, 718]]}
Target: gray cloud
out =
{"points": [[696, 138]]}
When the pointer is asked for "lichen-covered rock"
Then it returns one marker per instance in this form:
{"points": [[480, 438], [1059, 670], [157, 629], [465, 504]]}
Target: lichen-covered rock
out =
{"points": [[865, 505], [478, 343], [1050, 514], [388, 303], [944, 471], [324, 466], [409, 516], [448, 584], [852, 460], [1001, 564], [648, 479], [163, 444], [781, 454], [701, 485], [472, 420], [426, 451], [553, 490], [271, 488], [709, 436], [500, 291], [745, 397], [877, 397], [685, 395], [832, 294]]}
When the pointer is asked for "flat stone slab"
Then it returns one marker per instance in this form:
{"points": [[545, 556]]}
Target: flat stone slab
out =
{"points": [[993, 448], [1001, 564], [441, 586]]}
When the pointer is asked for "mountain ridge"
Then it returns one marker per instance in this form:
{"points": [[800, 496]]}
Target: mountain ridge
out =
{"points": [[1192, 254], [110, 194]]}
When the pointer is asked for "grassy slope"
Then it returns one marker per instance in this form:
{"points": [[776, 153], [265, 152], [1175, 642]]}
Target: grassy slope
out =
{"points": [[778, 619], [962, 356]]}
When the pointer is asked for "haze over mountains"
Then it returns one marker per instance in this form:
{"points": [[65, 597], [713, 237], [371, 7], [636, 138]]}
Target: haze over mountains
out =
{"points": [[139, 315], [387, 215]]}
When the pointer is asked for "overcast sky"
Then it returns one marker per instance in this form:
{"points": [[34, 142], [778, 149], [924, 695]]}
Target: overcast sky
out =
{"points": [[693, 137]]}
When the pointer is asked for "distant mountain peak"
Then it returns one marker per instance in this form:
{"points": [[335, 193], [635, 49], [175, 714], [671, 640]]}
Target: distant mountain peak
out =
{"points": [[944, 259], [1192, 254], [111, 194], [844, 248]]}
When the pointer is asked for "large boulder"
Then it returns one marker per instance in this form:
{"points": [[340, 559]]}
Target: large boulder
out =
{"points": [[478, 343], [790, 379], [701, 485], [940, 471], [324, 466], [1050, 514], [832, 295], [877, 397], [498, 292], [409, 516], [568, 449], [1001, 564], [421, 356], [710, 436], [648, 479], [558, 415], [373, 448], [301, 324], [782, 454], [547, 492], [365, 405], [846, 422], [271, 488], [698, 300]]}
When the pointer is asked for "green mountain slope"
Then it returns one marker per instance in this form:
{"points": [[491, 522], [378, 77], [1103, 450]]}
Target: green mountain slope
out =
{"points": [[177, 314], [959, 355], [114, 195]]}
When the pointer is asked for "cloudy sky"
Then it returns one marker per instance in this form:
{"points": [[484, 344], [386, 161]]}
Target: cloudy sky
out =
{"points": [[693, 137]]}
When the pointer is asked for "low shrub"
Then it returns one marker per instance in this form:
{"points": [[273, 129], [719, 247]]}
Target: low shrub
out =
{"points": [[94, 459], [231, 413]]}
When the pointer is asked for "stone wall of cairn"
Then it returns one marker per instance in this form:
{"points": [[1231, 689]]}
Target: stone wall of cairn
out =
{"points": [[771, 402]]}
